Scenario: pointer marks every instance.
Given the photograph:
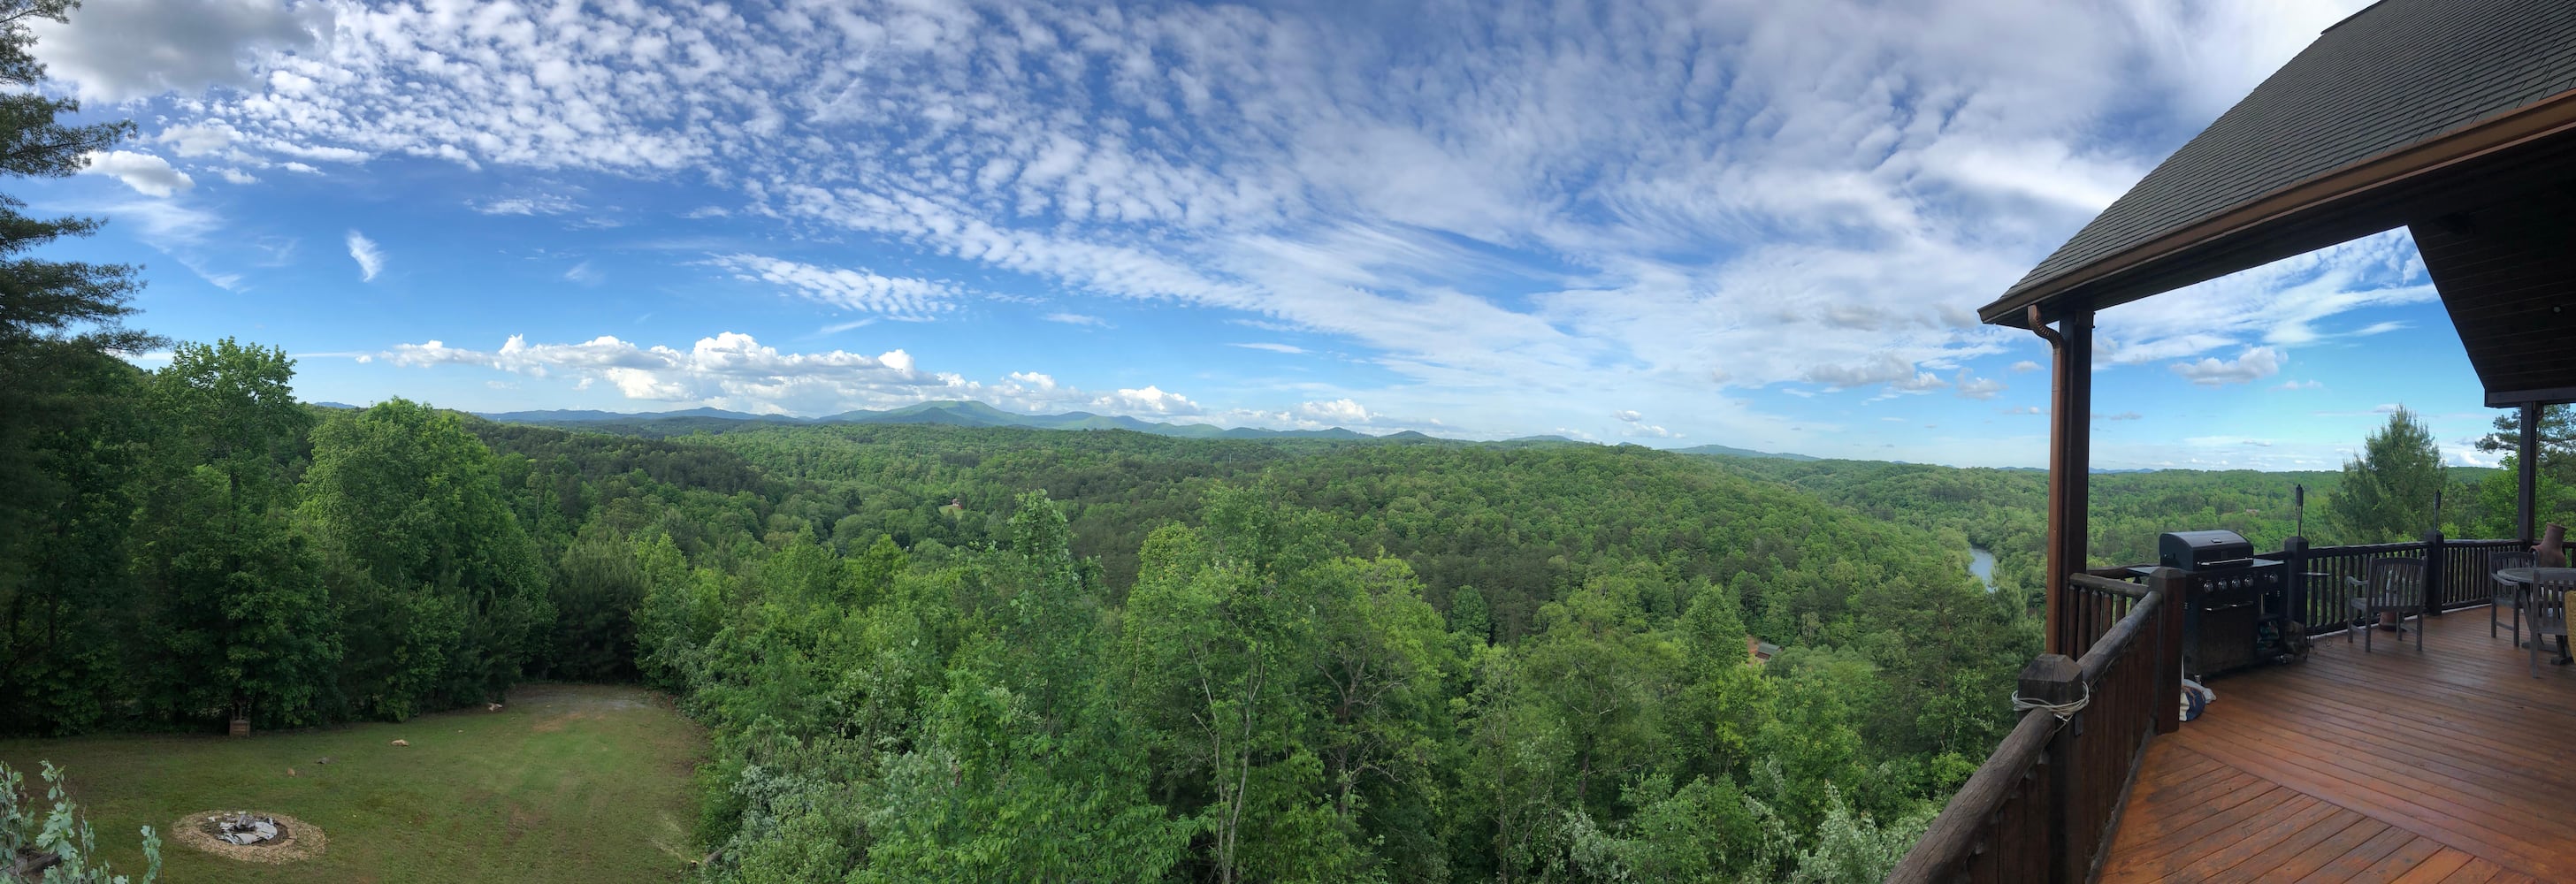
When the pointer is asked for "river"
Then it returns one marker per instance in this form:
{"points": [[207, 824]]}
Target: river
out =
{"points": [[1982, 564]]}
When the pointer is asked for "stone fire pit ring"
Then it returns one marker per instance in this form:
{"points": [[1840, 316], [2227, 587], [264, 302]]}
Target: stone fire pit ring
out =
{"points": [[271, 837]]}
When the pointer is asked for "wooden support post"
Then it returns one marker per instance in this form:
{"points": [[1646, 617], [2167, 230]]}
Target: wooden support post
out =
{"points": [[2172, 589], [2070, 448], [2056, 678], [2526, 471], [2434, 554]]}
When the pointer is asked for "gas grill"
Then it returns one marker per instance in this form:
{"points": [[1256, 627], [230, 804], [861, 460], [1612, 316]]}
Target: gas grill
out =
{"points": [[2238, 611]]}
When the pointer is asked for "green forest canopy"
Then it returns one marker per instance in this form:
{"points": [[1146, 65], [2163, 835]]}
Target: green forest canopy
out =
{"points": [[934, 653], [1241, 659]]}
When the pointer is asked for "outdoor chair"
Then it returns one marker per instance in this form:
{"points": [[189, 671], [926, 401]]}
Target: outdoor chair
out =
{"points": [[2507, 595], [2546, 609], [2395, 586]]}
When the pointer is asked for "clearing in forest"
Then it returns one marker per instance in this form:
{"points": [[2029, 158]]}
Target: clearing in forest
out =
{"points": [[566, 783]]}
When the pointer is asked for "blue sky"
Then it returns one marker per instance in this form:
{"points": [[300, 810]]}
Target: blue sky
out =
{"points": [[1756, 224]]}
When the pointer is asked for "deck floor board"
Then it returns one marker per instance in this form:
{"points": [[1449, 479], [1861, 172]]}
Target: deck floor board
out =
{"points": [[2449, 765]]}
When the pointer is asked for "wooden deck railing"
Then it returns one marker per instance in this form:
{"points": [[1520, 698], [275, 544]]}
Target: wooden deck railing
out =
{"points": [[2043, 807], [2457, 575]]}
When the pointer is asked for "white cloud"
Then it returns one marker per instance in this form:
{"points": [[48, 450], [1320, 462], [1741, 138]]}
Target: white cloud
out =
{"points": [[1881, 368], [201, 240], [147, 174], [727, 370], [1978, 388], [1921, 382], [2122, 416], [2252, 365], [1272, 347], [235, 176], [210, 137], [2301, 385], [585, 274], [2025, 365], [2282, 304], [1636, 425], [1150, 400], [1761, 194], [858, 290], [324, 153], [123, 49], [1338, 411], [1078, 319], [541, 204], [1034, 379], [371, 260]]}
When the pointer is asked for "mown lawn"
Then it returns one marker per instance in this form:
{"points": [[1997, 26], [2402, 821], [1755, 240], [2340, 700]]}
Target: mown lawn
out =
{"points": [[570, 783]]}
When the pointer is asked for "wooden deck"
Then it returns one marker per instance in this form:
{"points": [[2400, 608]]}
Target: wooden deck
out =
{"points": [[2450, 765]]}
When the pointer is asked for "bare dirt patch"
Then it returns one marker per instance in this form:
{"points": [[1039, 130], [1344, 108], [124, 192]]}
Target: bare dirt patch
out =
{"points": [[296, 839], [553, 723]]}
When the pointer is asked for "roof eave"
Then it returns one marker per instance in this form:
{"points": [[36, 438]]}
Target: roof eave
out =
{"points": [[2355, 200]]}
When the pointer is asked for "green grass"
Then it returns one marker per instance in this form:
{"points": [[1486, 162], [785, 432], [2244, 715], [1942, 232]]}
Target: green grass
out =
{"points": [[568, 783]]}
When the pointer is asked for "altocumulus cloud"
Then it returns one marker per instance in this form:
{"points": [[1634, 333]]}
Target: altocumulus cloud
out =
{"points": [[853, 289], [1704, 183]]}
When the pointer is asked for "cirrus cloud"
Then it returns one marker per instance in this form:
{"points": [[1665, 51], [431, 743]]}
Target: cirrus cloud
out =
{"points": [[370, 258]]}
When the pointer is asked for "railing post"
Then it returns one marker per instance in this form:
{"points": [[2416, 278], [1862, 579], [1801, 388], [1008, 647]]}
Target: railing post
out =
{"points": [[2294, 563], [2433, 554], [2172, 589], [2056, 678]]}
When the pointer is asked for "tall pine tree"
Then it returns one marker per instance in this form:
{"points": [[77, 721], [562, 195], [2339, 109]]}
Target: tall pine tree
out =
{"points": [[69, 428], [2387, 492]]}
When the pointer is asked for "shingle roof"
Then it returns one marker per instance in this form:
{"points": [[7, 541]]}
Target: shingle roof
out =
{"points": [[2394, 75]]}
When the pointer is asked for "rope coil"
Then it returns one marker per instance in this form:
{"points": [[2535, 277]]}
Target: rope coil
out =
{"points": [[2063, 711]]}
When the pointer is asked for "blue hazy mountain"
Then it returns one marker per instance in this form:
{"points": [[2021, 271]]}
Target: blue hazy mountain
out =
{"points": [[977, 414], [1731, 451], [949, 413]]}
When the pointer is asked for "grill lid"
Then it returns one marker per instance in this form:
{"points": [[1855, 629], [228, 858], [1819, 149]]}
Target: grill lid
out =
{"points": [[2194, 550]]}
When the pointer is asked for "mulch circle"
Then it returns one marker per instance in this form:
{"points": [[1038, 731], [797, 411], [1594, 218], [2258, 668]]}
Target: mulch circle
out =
{"points": [[296, 839]]}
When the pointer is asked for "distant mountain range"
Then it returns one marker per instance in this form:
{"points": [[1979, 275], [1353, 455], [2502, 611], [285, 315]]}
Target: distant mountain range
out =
{"points": [[1732, 451], [949, 413], [976, 414]]}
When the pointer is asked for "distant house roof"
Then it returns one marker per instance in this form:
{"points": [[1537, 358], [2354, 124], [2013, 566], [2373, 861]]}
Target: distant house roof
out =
{"points": [[1760, 650], [2355, 135]]}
